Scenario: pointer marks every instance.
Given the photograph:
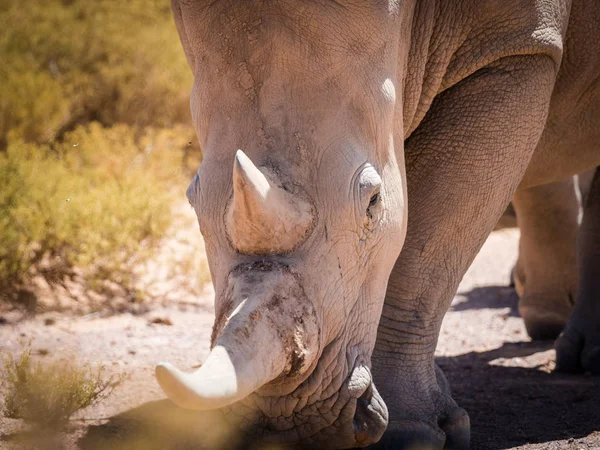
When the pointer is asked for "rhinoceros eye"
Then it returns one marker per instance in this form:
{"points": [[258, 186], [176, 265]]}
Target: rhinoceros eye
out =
{"points": [[368, 196], [373, 202]]}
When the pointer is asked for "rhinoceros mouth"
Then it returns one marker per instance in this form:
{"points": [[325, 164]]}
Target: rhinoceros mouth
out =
{"points": [[320, 413]]}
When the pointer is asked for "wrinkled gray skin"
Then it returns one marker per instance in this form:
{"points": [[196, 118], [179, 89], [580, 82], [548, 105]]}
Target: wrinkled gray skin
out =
{"points": [[443, 108]]}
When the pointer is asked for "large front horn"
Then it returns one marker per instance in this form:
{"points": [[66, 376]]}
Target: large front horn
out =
{"points": [[272, 332], [248, 355], [225, 377], [263, 217]]}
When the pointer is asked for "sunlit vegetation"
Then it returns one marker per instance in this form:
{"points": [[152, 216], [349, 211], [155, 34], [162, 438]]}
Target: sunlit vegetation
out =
{"points": [[98, 200], [66, 62], [47, 395], [94, 136]]}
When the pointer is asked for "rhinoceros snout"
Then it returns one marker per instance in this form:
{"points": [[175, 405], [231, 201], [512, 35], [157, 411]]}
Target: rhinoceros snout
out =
{"points": [[266, 337]]}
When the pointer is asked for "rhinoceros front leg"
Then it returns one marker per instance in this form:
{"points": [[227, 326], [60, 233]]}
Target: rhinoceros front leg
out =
{"points": [[578, 348], [463, 164]]}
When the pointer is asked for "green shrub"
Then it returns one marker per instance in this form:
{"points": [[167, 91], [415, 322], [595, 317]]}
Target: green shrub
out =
{"points": [[48, 395], [68, 62], [99, 201], [93, 95]]}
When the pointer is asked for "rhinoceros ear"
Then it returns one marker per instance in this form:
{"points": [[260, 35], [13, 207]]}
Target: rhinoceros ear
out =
{"points": [[263, 217]]}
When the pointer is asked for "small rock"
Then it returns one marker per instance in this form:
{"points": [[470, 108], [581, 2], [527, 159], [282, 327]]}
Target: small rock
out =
{"points": [[43, 351], [49, 321], [161, 321]]}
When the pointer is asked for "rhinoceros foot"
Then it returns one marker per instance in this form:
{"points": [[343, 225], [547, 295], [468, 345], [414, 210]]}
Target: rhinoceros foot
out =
{"points": [[578, 348], [442, 425], [452, 432]]}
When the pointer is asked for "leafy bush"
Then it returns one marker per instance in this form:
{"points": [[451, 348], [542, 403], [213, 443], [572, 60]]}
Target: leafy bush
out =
{"points": [[48, 395], [100, 200], [93, 95], [68, 62]]}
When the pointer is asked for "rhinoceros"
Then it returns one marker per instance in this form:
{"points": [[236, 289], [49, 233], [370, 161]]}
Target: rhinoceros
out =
{"points": [[357, 153]]}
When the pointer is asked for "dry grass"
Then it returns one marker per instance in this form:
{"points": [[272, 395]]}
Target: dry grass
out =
{"points": [[100, 200], [95, 140], [47, 395], [69, 62]]}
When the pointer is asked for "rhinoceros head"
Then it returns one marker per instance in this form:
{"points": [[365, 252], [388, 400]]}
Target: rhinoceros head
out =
{"points": [[303, 225]]}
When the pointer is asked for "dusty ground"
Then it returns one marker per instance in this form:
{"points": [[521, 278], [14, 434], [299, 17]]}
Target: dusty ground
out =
{"points": [[497, 374]]}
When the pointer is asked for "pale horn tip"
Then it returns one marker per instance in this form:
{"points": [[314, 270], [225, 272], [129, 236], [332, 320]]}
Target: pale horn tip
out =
{"points": [[212, 386], [170, 381], [163, 370]]}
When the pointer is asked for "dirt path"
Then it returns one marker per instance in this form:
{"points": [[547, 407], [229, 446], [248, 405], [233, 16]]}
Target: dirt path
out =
{"points": [[502, 379]]}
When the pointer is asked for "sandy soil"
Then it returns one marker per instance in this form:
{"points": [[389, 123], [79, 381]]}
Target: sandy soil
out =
{"points": [[503, 380]]}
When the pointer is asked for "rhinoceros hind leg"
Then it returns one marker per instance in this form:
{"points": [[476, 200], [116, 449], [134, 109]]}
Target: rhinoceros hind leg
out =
{"points": [[578, 348], [545, 276]]}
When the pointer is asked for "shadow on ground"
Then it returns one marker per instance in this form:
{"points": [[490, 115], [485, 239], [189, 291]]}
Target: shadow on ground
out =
{"points": [[514, 406], [161, 425], [489, 297], [509, 407]]}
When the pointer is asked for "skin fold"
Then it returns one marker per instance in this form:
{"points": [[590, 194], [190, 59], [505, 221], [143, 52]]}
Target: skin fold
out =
{"points": [[380, 143]]}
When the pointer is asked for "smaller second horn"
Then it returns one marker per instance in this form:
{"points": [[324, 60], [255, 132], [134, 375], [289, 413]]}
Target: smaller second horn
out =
{"points": [[263, 217]]}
